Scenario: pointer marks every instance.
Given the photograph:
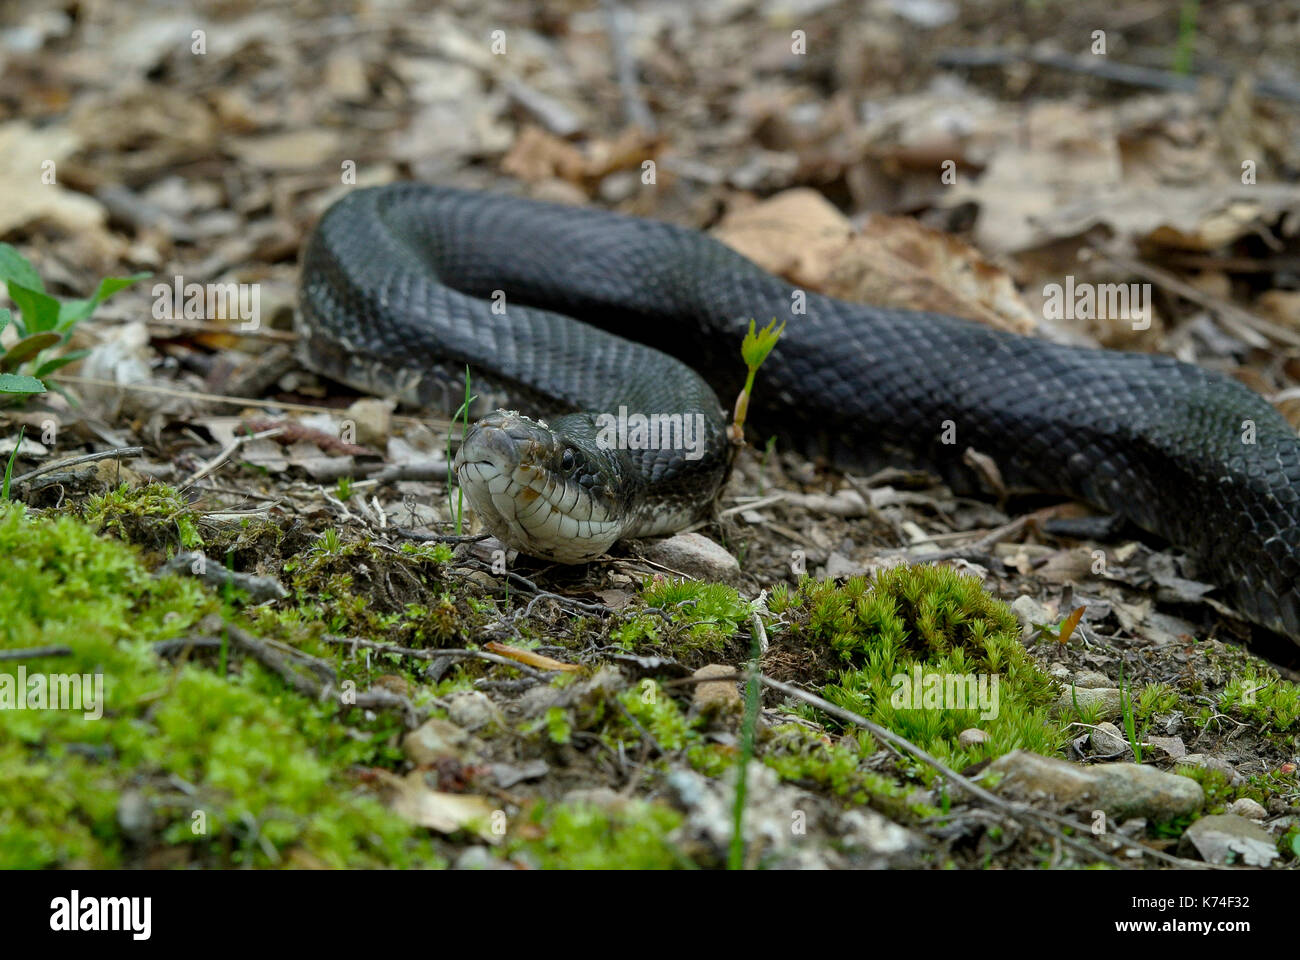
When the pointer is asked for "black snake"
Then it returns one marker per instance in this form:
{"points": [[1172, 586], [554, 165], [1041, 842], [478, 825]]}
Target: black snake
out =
{"points": [[572, 313]]}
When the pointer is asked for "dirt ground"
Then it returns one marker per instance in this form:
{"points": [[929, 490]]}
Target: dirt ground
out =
{"points": [[961, 158]]}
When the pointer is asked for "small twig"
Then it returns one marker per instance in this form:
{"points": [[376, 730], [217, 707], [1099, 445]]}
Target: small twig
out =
{"points": [[979, 547], [33, 652], [120, 452], [227, 453], [438, 654]]}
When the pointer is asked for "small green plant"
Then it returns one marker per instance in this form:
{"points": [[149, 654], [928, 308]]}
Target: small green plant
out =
{"points": [[343, 489], [1126, 708], [9, 466], [1186, 37], [45, 323], [457, 506], [754, 349]]}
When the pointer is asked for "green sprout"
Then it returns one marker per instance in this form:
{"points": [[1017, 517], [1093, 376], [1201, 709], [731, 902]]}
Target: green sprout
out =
{"points": [[754, 349]]}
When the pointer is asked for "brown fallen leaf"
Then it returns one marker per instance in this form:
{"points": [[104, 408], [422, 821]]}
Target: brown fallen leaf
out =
{"points": [[1069, 623], [530, 658], [412, 800]]}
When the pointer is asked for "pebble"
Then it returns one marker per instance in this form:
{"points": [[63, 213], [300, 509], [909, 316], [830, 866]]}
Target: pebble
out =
{"points": [[971, 737], [1226, 838], [1106, 740], [718, 696], [1248, 808], [1104, 702], [693, 554], [1122, 790]]}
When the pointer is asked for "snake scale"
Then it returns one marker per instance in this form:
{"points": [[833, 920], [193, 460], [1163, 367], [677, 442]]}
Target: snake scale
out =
{"points": [[578, 316]]}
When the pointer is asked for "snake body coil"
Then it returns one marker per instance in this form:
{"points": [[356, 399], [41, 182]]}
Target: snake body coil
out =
{"points": [[574, 313]]}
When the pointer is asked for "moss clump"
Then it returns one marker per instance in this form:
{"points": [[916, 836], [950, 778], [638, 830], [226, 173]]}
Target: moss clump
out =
{"points": [[155, 517], [1263, 699], [218, 770], [583, 837], [695, 617], [801, 756], [927, 653]]}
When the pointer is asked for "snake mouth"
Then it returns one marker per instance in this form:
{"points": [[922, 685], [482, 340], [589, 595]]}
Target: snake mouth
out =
{"points": [[506, 468]]}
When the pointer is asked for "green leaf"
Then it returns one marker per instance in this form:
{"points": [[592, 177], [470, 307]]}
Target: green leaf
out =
{"points": [[13, 383], [40, 310], [15, 268], [27, 348], [5, 317], [72, 312], [9, 467], [58, 363], [756, 347]]}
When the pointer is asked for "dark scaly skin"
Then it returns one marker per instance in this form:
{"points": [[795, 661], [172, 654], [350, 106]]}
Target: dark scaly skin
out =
{"points": [[1146, 437]]}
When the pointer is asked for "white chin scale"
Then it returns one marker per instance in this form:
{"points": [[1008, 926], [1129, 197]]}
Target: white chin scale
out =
{"points": [[525, 508]]}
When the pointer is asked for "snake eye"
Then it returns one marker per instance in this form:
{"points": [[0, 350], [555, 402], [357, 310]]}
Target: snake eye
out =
{"points": [[566, 460]]}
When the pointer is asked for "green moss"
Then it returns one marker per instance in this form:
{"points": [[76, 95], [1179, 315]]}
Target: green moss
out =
{"points": [[799, 755], [583, 837], [249, 763], [696, 616], [927, 653], [154, 516]]}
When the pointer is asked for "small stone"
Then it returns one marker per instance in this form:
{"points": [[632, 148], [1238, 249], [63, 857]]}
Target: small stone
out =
{"points": [[373, 420], [971, 737], [1248, 808], [1092, 679], [435, 739], [1030, 613], [480, 858], [134, 814], [1172, 747], [1213, 763], [1122, 790], [393, 683], [1106, 740], [471, 709], [1226, 838], [717, 696], [1104, 702], [693, 554]]}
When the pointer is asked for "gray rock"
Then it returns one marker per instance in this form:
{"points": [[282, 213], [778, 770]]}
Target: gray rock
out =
{"points": [[1247, 808], [1030, 613], [1106, 740], [718, 696], [1092, 679], [435, 739], [471, 709], [1172, 747], [1103, 702], [693, 554], [1212, 763], [972, 736], [1122, 790], [1226, 838]]}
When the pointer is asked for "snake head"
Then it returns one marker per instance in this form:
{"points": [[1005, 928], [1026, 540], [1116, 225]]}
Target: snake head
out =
{"points": [[550, 493]]}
